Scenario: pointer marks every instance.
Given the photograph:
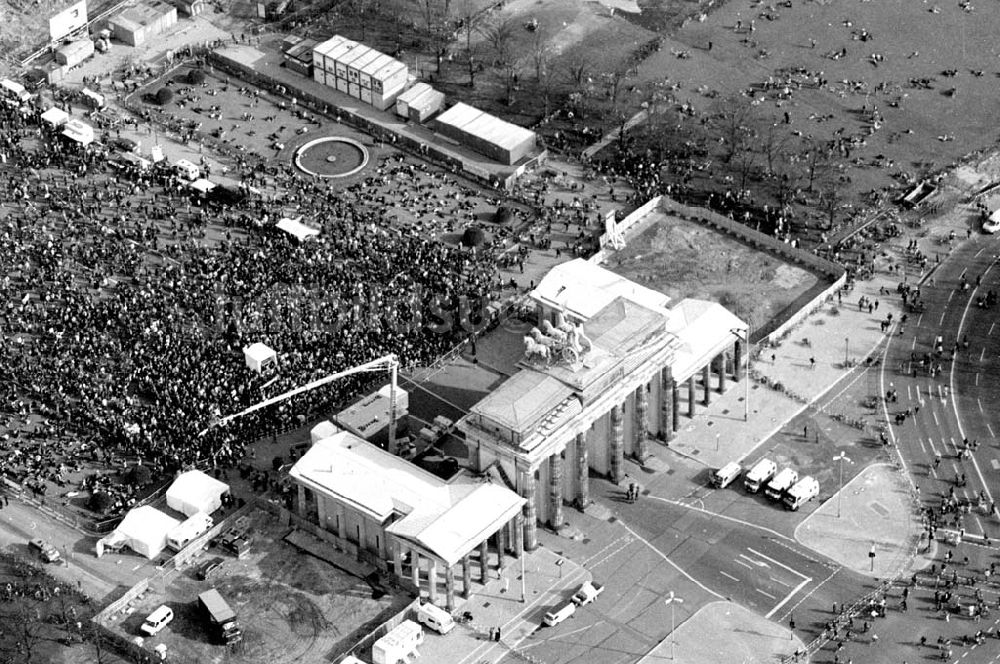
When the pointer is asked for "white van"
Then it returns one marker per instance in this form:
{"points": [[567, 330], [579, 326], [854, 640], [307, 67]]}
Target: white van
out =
{"points": [[185, 169], [759, 475], [157, 620], [435, 618], [802, 492], [553, 618], [725, 476], [781, 483]]}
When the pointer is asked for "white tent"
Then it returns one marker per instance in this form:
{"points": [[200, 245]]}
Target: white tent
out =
{"points": [[78, 131], [194, 492], [258, 355], [144, 530], [202, 185], [296, 228], [55, 117]]}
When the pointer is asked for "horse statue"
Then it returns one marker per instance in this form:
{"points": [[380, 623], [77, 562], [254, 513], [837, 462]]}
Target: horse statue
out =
{"points": [[556, 333], [541, 338], [535, 350]]}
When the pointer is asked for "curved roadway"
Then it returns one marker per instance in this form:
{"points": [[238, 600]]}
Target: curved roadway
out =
{"points": [[959, 402]]}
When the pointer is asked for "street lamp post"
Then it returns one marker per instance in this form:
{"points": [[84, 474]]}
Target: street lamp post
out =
{"points": [[746, 395], [842, 457], [671, 600], [847, 350]]}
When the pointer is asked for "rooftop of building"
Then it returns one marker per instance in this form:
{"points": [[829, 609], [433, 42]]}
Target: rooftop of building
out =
{"points": [[446, 518]]}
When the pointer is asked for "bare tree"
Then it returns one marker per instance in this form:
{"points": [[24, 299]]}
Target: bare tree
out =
{"points": [[578, 69], [734, 119], [360, 9], [499, 34], [468, 14], [541, 54], [24, 629], [818, 160], [773, 144]]}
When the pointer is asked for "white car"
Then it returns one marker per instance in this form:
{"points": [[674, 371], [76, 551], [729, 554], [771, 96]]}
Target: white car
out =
{"points": [[992, 223], [157, 620]]}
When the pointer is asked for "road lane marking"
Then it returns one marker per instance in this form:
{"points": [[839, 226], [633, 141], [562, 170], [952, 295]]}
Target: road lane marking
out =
{"points": [[977, 384], [923, 448], [979, 252], [943, 314], [978, 400], [914, 344], [951, 381], [750, 560], [787, 597], [717, 515], [729, 576], [990, 429], [934, 414], [740, 562], [669, 561], [780, 582], [765, 594], [991, 327], [779, 564], [950, 296], [982, 354], [909, 395]]}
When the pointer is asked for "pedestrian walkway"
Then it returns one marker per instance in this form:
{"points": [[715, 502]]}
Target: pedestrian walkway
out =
{"points": [[548, 580]]}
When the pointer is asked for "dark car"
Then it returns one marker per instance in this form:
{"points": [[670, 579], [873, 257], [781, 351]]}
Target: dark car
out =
{"points": [[124, 144], [208, 568]]}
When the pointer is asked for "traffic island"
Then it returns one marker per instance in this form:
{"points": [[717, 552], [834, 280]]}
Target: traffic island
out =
{"points": [[869, 526], [725, 632]]}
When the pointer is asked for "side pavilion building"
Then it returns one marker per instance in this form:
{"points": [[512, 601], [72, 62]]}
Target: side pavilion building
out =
{"points": [[393, 513], [608, 379]]}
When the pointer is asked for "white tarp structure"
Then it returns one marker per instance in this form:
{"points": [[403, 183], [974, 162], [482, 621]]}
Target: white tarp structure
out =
{"points": [[79, 131], [194, 492], [144, 530], [55, 117], [296, 228], [202, 185], [258, 356]]}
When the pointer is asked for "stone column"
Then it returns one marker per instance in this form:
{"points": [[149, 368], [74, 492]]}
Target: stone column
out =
{"points": [[341, 522], [555, 491], [737, 357], [466, 576], [300, 504], [667, 388], [432, 580], [706, 379], [642, 422], [675, 407], [415, 568], [321, 511], [397, 559], [722, 372], [617, 443], [449, 587], [530, 513], [691, 396], [501, 547], [582, 471], [517, 532], [484, 561]]}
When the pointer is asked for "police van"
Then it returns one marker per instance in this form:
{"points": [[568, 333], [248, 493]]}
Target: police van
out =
{"points": [[801, 493], [762, 471], [781, 483], [725, 476]]}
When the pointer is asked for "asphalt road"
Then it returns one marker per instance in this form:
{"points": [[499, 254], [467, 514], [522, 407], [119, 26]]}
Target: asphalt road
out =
{"points": [[955, 404]]}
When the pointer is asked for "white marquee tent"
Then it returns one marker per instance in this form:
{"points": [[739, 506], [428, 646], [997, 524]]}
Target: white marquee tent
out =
{"points": [[144, 530], [296, 228], [194, 492], [55, 117]]}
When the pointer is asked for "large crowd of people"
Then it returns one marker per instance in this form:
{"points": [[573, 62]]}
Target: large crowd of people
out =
{"points": [[129, 300]]}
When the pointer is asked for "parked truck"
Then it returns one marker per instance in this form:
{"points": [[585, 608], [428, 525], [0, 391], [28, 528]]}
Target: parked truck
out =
{"points": [[587, 593], [780, 483], [221, 616], [759, 475], [802, 492]]}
